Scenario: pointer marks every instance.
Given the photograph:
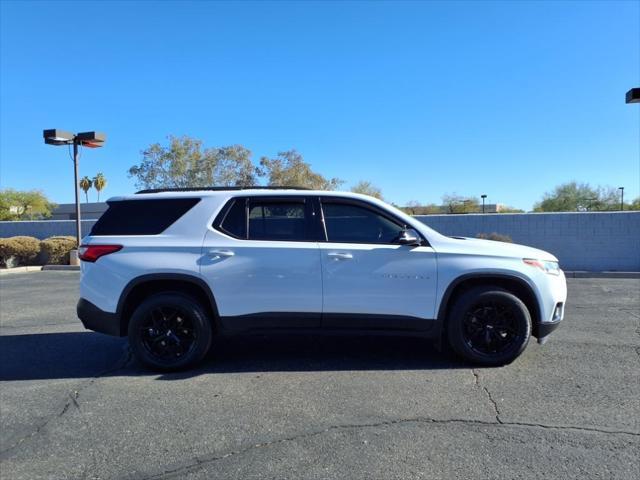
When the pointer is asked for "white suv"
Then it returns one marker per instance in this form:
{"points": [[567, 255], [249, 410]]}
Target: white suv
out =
{"points": [[174, 268]]}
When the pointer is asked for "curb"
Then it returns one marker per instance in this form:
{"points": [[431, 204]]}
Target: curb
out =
{"points": [[62, 268], [7, 271], [580, 274]]}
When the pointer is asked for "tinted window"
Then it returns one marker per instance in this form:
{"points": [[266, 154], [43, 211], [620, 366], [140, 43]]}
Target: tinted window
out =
{"points": [[270, 220], [234, 222], [354, 224], [141, 217]]}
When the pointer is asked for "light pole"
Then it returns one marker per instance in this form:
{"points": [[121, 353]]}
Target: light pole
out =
{"points": [[87, 139], [632, 96], [483, 196]]}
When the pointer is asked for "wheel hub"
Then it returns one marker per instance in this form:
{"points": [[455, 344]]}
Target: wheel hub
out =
{"points": [[490, 328], [166, 334]]}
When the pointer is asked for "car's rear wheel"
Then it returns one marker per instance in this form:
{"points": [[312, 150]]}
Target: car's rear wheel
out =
{"points": [[489, 326], [170, 331]]}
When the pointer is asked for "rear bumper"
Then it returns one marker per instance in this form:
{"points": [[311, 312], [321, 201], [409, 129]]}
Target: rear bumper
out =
{"points": [[98, 320]]}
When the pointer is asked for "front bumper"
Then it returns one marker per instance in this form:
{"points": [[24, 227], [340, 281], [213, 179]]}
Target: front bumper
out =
{"points": [[545, 329], [98, 320], [554, 293]]}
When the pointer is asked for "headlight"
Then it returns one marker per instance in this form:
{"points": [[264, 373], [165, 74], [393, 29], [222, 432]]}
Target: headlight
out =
{"points": [[552, 268]]}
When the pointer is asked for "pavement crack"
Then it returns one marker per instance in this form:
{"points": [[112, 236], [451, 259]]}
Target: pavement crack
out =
{"points": [[199, 461], [74, 399], [631, 311], [637, 331], [487, 393], [70, 399], [476, 378], [493, 403]]}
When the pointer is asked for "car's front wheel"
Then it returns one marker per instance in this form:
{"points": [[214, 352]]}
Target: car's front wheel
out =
{"points": [[489, 326], [170, 331]]}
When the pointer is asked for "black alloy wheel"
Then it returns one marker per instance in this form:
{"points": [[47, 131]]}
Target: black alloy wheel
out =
{"points": [[489, 326], [170, 331]]}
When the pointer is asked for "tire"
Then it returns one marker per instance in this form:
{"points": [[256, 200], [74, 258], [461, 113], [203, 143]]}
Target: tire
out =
{"points": [[489, 326], [170, 331]]}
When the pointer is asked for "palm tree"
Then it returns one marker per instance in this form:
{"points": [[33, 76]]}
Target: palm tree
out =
{"points": [[99, 182], [85, 184]]}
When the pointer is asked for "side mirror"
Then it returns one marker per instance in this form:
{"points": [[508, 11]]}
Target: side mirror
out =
{"points": [[409, 237]]}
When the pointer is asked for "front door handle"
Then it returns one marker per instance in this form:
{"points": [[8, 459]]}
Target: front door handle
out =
{"points": [[220, 253], [340, 255]]}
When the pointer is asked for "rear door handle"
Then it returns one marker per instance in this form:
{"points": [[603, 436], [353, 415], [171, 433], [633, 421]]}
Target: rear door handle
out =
{"points": [[220, 253], [340, 255]]}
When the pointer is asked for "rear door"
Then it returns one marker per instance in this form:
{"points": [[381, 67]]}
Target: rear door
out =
{"points": [[370, 280], [262, 262]]}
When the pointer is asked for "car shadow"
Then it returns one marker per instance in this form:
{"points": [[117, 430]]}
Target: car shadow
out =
{"points": [[89, 354]]}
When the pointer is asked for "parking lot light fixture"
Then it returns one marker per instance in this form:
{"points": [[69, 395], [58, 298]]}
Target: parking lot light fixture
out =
{"points": [[483, 196], [57, 137], [633, 96], [621, 198]]}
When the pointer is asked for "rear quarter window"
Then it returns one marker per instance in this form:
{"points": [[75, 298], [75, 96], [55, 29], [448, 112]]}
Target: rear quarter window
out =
{"points": [[234, 222], [142, 217]]}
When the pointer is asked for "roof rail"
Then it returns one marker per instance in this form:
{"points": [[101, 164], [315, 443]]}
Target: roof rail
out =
{"points": [[217, 189]]}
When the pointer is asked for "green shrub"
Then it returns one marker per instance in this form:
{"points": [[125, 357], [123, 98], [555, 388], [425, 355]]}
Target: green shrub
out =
{"points": [[497, 237], [56, 249], [16, 251]]}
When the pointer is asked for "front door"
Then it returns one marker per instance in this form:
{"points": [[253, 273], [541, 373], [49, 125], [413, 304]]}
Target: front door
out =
{"points": [[369, 280]]}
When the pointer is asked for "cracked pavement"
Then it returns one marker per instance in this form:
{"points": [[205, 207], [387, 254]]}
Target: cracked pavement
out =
{"points": [[73, 404]]}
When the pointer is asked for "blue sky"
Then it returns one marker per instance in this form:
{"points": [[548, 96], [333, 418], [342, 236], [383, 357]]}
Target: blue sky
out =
{"points": [[421, 98]]}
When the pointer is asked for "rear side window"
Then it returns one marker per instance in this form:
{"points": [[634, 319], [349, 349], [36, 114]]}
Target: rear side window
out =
{"points": [[142, 217], [277, 221], [267, 218]]}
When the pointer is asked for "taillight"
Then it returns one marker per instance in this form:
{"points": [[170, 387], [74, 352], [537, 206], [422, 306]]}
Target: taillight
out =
{"points": [[91, 253]]}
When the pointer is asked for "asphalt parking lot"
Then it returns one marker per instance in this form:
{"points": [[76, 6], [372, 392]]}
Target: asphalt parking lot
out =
{"points": [[73, 403]]}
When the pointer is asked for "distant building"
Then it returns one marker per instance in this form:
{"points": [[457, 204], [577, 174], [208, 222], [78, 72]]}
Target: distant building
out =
{"points": [[88, 211], [491, 207]]}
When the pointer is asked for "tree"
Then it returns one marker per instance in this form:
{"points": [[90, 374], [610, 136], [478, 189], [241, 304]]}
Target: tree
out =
{"points": [[234, 167], [454, 203], [290, 169], [186, 163], [85, 184], [414, 207], [21, 205], [367, 188], [411, 207], [635, 205], [508, 209], [99, 182], [574, 196]]}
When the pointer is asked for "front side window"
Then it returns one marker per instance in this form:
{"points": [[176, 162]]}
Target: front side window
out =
{"points": [[347, 223], [269, 220]]}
